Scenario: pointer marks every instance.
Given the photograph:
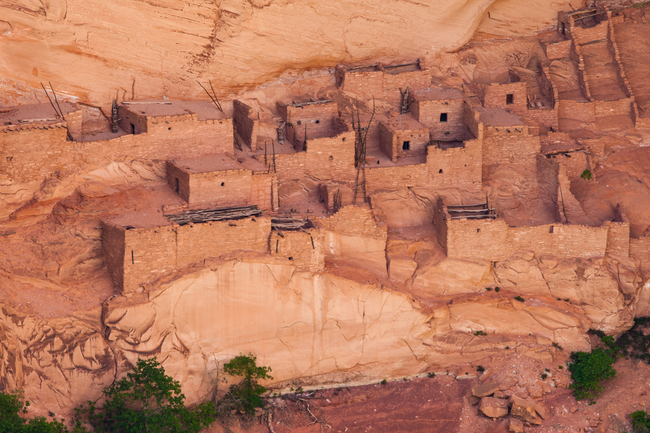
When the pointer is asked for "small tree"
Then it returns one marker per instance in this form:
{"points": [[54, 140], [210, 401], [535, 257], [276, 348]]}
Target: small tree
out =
{"points": [[589, 369], [12, 406], [146, 400], [245, 396]]}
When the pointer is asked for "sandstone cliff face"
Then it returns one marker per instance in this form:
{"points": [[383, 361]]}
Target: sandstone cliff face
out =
{"points": [[308, 327], [97, 51]]}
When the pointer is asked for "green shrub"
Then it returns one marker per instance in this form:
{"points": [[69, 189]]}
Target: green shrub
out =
{"points": [[480, 333], [384, 382], [586, 175], [12, 406], [519, 298], [497, 289], [146, 400], [245, 396], [544, 376], [480, 369], [640, 421], [589, 369], [431, 375]]}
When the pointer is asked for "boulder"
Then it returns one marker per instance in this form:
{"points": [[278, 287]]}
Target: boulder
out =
{"points": [[516, 426], [493, 407], [524, 410], [485, 390]]}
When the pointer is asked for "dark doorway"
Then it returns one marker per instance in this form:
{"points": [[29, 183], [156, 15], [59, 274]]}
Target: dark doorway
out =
{"points": [[177, 186], [406, 145], [510, 99], [132, 129], [443, 117]]}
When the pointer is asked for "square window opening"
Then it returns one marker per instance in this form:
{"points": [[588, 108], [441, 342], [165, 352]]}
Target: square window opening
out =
{"points": [[510, 99], [443, 117], [406, 145]]}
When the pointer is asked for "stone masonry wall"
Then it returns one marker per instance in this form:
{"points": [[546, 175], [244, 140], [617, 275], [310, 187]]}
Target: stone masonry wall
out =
{"points": [[264, 190], [150, 253], [618, 239], [304, 250], [35, 151], [222, 189], [493, 240], [509, 145], [196, 242], [246, 123], [496, 96], [428, 113], [178, 180], [354, 220], [185, 140]]}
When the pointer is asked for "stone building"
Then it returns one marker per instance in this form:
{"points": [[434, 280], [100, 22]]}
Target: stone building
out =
{"points": [[221, 181]]}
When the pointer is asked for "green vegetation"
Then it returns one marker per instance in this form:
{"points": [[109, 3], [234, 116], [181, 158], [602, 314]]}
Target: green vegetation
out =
{"points": [[589, 369], [586, 175], [244, 397], [480, 333], [519, 298], [431, 375], [640, 421], [480, 369], [639, 6], [557, 346], [497, 289], [146, 400], [384, 382], [544, 376], [12, 406], [489, 289]]}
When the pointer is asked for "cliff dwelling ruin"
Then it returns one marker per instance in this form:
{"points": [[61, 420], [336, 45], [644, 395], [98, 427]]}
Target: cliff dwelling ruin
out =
{"points": [[366, 217]]}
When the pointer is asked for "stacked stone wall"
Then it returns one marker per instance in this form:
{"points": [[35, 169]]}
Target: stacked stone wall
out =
{"points": [[74, 121], [185, 140], [354, 220], [221, 188], [560, 50], [264, 191], [512, 145], [32, 152], [303, 248], [197, 242], [178, 180], [618, 239], [428, 113], [147, 254], [493, 240], [496, 95], [459, 167], [246, 124]]}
